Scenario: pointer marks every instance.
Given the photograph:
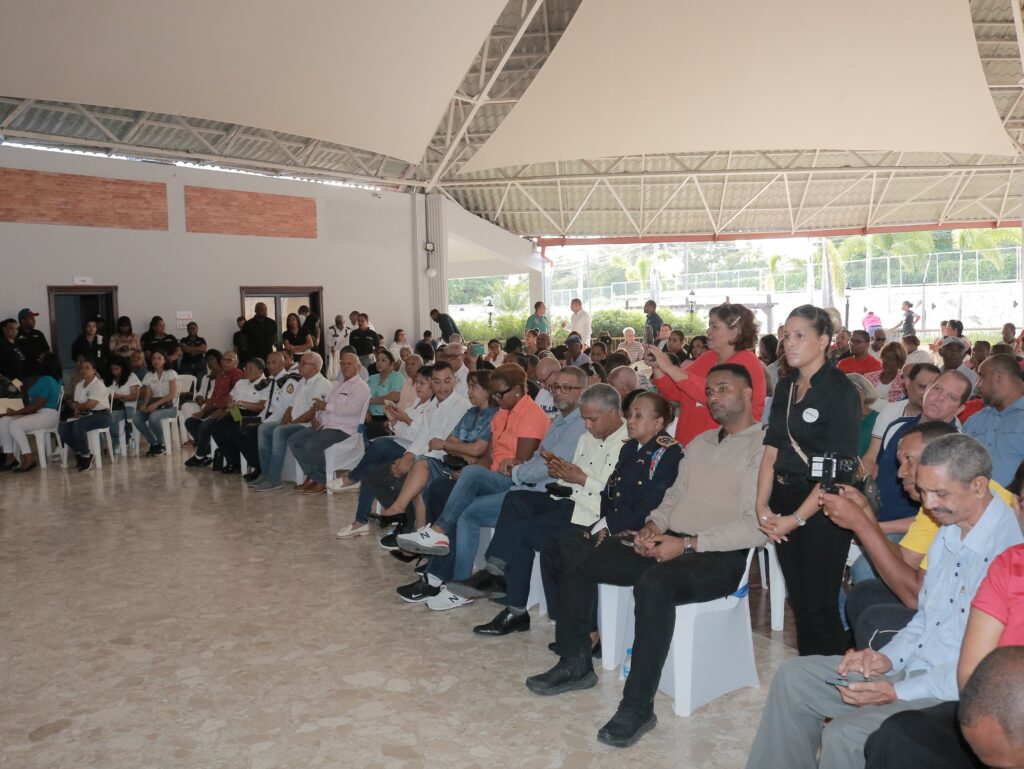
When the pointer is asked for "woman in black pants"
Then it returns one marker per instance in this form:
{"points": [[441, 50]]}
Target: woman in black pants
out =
{"points": [[815, 410]]}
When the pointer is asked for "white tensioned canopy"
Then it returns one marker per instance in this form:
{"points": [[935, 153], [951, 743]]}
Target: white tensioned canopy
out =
{"points": [[649, 119]]}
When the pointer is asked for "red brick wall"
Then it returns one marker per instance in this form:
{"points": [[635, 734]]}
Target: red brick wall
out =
{"points": [[38, 197], [230, 212]]}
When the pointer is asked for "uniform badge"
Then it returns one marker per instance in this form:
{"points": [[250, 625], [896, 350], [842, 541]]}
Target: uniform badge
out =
{"points": [[666, 441], [291, 388]]}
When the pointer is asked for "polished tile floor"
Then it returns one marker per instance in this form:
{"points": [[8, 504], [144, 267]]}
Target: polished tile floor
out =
{"points": [[159, 617]]}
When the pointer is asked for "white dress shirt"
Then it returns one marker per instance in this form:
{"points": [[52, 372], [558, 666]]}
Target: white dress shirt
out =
{"points": [[439, 424], [580, 323], [597, 458]]}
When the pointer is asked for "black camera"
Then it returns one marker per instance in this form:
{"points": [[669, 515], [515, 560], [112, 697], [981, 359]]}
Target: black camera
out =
{"points": [[832, 470]]}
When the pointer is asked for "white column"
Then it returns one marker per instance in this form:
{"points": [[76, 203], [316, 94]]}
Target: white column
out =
{"points": [[430, 226]]}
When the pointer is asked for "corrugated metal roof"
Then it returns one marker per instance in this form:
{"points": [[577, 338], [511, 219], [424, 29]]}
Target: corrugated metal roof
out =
{"points": [[788, 190]]}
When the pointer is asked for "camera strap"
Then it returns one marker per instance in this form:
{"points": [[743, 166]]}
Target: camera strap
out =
{"points": [[792, 441]]}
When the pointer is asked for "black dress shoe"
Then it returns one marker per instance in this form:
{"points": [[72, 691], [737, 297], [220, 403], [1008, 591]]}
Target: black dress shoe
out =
{"points": [[196, 461], [404, 557], [595, 652], [566, 676], [251, 476], [85, 463], [506, 622], [391, 520], [231, 470], [11, 466], [27, 469], [626, 727]]}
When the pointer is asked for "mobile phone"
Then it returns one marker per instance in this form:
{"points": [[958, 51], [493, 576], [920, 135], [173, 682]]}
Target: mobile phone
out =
{"points": [[648, 334], [628, 542], [850, 678], [547, 455]]}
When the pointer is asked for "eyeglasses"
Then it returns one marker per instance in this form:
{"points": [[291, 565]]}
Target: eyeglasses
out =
{"points": [[499, 394], [563, 388]]}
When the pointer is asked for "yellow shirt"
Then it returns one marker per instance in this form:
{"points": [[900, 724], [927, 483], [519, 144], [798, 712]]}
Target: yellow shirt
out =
{"points": [[924, 528]]}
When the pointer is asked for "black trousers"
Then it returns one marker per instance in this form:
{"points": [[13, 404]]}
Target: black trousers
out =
{"points": [[226, 433], [921, 739], [813, 562], [527, 523], [875, 614], [657, 589]]}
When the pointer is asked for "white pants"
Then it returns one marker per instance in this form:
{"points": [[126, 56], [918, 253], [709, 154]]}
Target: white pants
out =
{"points": [[14, 430]]}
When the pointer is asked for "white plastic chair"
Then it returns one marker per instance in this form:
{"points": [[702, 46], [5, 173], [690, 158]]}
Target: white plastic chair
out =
{"points": [[775, 584], [190, 380], [291, 470], [346, 454], [43, 437], [712, 651], [172, 430]]}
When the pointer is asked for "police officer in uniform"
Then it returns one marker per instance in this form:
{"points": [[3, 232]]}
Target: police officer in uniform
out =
{"points": [[33, 345], [279, 391], [248, 400]]}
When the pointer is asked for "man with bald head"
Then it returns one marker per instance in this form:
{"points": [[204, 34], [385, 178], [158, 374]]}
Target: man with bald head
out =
{"points": [[258, 335], [545, 372], [999, 426], [313, 386], [624, 379]]}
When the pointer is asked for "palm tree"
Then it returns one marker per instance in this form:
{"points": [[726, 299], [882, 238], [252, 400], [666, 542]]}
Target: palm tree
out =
{"points": [[512, 297], [987, 242]]}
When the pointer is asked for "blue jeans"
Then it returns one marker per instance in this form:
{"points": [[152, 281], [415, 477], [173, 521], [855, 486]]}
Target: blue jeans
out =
{"points": [[475, 481], [381, 451], [862, 570], [308, 449], [148, 425], [277, 446], [265, 442], [75, 434], [464, 541]]}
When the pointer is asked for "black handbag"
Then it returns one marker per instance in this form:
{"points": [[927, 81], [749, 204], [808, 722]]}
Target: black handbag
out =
{"points": [[453, 462]]}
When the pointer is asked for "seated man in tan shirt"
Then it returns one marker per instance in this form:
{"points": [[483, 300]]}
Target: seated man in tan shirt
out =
{"points": [[692, 549]]}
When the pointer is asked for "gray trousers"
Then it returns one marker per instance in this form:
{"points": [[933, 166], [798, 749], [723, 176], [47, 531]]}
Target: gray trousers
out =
{"points": [[793, 722], [308, 449]]}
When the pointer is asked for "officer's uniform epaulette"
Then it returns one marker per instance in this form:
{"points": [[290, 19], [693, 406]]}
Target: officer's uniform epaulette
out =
{"points": [[667, 441]]}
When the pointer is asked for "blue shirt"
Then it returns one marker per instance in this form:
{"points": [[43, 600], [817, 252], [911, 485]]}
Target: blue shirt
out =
{"points": [[929, 646], [1002, 433], [475, 425], [560, 439], [45, 387], [393, 383]]}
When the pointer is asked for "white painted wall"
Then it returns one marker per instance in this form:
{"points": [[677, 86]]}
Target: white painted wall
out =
{"points": [[365, 255]]}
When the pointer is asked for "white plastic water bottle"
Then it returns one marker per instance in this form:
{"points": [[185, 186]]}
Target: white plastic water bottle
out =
{"points": [[627, 663]]}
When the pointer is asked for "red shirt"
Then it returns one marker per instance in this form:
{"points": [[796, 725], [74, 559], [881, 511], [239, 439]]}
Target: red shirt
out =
{"points": [[971, 408], [1001, 595], [694, 417], [221, 395], [853, 366]]}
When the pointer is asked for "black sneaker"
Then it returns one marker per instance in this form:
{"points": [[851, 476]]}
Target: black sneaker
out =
{"points": [[156, 450], [251, 476], [85, 463], [626, 727], [564, 677], [390, 540], [197, 461], [418, 591]]}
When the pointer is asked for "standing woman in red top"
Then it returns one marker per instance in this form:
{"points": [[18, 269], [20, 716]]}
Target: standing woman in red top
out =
{"points": [[732, 338]]}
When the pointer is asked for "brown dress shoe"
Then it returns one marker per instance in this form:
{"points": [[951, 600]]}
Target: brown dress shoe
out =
{"points": [[304, 485], [315, 488]]}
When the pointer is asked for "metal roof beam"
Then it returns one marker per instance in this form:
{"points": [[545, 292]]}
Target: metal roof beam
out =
{"points": [[446, 159]]}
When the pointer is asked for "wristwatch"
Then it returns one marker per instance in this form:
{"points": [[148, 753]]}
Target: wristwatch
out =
{"points": [[799, 521], [688, 548]]}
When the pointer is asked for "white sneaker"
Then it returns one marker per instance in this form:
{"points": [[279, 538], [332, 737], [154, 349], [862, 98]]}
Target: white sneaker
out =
{"points": [[353, 530], [338, 484], [424, 541], [446, 600]]}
